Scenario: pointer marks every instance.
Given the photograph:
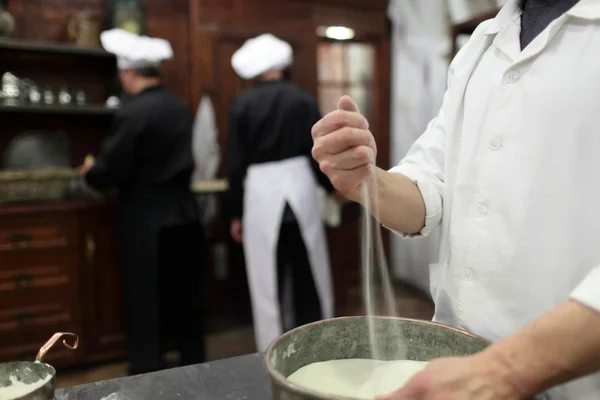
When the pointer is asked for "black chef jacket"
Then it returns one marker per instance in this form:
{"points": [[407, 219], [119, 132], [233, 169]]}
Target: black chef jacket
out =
{"points": [[270, 122], [149, 159]]}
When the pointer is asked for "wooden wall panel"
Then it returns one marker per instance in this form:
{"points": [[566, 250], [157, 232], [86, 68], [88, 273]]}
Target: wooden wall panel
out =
{"points": [[45, 20], [170, 20]]}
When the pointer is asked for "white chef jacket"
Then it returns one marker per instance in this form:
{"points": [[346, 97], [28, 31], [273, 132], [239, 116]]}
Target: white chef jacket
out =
{"points": [[510, 167]]}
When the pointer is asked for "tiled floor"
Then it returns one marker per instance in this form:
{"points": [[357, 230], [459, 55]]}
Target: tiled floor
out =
{"points": [[240, 340]]}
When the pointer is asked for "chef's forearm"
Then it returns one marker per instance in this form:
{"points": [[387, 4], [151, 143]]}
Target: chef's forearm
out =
{"points": [[401, 205], [562, 345]]}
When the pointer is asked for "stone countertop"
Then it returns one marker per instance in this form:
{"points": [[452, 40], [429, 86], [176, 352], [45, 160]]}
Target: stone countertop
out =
{"points": [[231, 379]]}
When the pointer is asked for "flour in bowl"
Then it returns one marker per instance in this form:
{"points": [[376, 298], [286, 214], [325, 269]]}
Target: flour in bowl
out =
{"points": [[356, 378], [19, 389]]}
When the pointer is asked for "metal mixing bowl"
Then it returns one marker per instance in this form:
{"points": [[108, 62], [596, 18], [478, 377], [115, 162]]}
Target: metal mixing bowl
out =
{"points": [[34, 372], [29, 373], [344, 338]]}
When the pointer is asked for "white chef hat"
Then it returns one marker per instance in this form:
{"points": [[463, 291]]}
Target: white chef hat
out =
{"points": [[261, 54], [134, 51]]}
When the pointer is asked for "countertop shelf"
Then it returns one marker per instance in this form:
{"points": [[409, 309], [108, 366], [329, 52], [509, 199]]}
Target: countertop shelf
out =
{"points": [[53, 47], [63, 110]]}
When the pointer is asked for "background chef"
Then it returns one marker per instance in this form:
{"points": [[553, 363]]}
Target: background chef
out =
{"points": [[148, 158], [276, 212]]}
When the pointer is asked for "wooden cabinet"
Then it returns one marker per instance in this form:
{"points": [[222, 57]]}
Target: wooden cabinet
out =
{"points": [[39, 281], [59, 271], [103, 281], [50, 252]]}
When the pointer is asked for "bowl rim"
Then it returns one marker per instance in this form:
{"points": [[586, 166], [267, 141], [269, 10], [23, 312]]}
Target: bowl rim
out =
{"points": [[296, 389], [28, 363]]}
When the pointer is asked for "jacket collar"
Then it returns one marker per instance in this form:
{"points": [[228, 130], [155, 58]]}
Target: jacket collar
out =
{"points": [[584, 9]]}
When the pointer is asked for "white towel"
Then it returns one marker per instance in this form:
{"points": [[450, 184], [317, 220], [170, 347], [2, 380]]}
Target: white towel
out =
{"points": [[207, 155]]}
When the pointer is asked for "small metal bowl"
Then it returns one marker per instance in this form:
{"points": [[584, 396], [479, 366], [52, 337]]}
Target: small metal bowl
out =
{"points": [[348, 337], [31, 372]]}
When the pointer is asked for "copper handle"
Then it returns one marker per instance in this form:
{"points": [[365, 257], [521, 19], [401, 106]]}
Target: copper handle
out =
{"points": [[53, 340]]}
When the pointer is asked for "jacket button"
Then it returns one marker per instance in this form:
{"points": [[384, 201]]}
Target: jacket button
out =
{"points": [[512, 77], [468, 275], [481, 210], [495, 144]]}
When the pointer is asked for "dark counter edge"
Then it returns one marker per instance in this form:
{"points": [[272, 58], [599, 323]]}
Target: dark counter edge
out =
{"points": [[235, 378]]}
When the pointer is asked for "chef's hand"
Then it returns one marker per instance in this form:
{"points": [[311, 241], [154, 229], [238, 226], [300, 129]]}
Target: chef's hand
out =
{"points": [[236, 230], [88, 163], [345, 148], [466, 378]]}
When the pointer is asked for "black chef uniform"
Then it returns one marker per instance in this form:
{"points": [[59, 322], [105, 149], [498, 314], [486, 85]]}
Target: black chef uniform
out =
{"points": [[148, 158]]}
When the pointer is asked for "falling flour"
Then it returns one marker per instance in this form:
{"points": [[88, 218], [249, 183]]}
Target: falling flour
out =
{"points": [[366, 378], [356, 378], [373, 261], [18, 388]]}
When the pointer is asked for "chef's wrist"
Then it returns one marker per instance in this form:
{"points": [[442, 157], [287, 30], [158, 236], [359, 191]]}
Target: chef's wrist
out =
{"points": [[354, 195], [499, 369], [374, 185], [357, 194], [535, 359]]}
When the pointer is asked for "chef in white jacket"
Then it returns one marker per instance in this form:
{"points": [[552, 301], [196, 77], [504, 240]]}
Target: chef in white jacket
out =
{"points": [[273, 193], [509, 168]]}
